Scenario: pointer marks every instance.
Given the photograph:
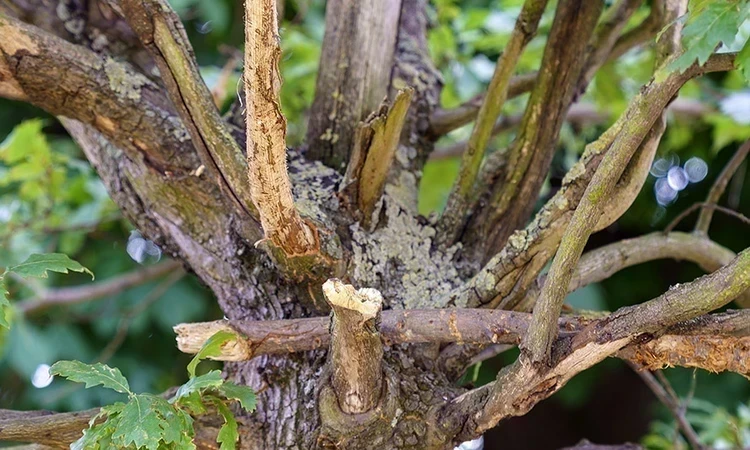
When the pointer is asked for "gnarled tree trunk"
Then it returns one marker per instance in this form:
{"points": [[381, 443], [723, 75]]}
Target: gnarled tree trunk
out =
{"points": [[264, 226]]}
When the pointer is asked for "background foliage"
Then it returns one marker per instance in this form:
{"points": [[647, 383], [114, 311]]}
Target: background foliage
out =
{"points": [[52, 201]]}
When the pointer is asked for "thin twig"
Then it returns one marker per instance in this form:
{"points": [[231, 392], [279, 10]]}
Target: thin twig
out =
{"points": [[671, 402], [89, 292], [705, 207], [704, 220], [127, 319]]}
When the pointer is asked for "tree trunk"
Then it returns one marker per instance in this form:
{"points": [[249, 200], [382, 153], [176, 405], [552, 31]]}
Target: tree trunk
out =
{"points": [[144, 122]]}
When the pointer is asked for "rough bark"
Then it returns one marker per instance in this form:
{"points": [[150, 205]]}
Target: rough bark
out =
{"points": [[148, 134]]}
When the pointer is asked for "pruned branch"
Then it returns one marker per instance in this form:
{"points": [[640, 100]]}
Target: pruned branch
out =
{"points": [[704, 220], [497, 92], [356, 353], [469, 326], [162, 34], [89, 292], [266, 135]]}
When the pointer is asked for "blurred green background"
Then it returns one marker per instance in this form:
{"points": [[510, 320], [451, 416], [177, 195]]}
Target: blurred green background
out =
{"points": [[52, 201]]}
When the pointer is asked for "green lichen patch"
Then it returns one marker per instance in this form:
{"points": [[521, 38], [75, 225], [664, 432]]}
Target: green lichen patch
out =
{"points": [[125, 82]]}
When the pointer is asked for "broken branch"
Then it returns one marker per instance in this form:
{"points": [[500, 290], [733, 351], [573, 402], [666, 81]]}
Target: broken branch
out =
{"points": [[356, 353]]}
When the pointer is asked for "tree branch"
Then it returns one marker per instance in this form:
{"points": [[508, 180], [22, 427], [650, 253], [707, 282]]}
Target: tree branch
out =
{"points": [[481, 327], [59, 430], [162, 34], [671, 404], [266, 136], [356, 353], [355, 70], [497, 92], [531, 153], [520, 386], [443, 121], [704, 220], [527, 250], [86, 293], [375, 145]]}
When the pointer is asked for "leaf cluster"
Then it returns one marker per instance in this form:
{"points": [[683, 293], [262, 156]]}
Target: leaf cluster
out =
{"points": [[148, 421]]}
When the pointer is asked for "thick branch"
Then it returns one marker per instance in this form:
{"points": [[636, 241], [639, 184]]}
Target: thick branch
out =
{"points": [[472, 326], [527, 251], [162, 34], [354, 75], [266, 135], [86, 293], [704, 220], [522, 385], [489, 111], [356, 353]]}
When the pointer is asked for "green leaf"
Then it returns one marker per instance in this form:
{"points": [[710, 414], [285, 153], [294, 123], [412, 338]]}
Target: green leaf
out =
{"points": [[708, 25], [193, 403], [211, 379], [92, 437], [228, 435], [243, 394], [212, 347], [38, 264], [4, 303], [92, 375], [743, 61], [139, 424]]}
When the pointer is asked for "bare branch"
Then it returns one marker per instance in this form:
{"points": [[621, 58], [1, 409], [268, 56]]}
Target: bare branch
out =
{"points": [[356, 353], [671, 403], [443, 121], [529, 249], [531, 154], [520, 386], [476, 326], [704, 220], [459, 197], [705, 206], [266, 135], [89, 292], [600, 264], [355, 69], [162, 34]]}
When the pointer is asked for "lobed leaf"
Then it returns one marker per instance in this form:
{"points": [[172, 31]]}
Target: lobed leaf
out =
{"points": [[92, 374], [212, 347], [228, 435], [243, 394], [211, 379], [38, 264]]}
